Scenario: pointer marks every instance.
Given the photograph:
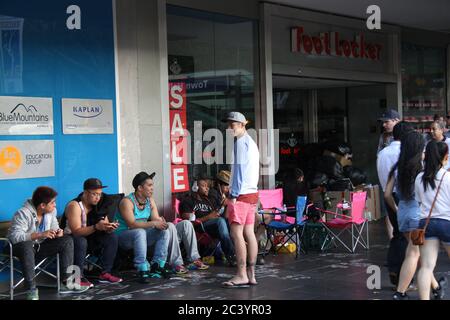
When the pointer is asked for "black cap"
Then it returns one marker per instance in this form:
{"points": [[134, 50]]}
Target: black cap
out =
{"points": [[141, 177], [389, 115], [93, 183]]}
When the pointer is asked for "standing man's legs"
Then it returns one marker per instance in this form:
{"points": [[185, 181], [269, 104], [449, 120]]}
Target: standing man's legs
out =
{"points": [[242, 219]]}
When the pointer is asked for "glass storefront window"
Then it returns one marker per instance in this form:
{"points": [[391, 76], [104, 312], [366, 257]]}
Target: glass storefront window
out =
{"points": [[423, 83], [215, 56]]}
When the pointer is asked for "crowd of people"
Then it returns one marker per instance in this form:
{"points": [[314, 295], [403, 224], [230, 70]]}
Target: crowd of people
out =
{"points": [[226, 211], [412, 172]]}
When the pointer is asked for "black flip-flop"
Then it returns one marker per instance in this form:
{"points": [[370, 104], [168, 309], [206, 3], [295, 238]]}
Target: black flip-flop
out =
{"points": [[252, 283], [232, 285]]}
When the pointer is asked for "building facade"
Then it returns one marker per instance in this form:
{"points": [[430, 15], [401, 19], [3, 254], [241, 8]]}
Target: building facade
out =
{"points": [[123, 81]]}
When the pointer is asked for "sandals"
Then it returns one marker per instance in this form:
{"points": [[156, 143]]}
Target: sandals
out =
{"points": [[233, 285]]}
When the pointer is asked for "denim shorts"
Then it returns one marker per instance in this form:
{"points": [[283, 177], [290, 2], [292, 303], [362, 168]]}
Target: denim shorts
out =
{"points": [[438, 229]]}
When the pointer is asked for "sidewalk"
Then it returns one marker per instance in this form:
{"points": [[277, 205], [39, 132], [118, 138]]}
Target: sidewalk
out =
{"points": [[315, 276]]}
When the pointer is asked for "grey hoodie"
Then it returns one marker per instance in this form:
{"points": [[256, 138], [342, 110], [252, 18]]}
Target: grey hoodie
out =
{"points": [[24, 223]]}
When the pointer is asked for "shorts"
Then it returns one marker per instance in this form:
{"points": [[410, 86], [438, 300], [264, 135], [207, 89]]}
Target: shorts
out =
{"points": [[438, 229], [242, 213], [408, 215]]}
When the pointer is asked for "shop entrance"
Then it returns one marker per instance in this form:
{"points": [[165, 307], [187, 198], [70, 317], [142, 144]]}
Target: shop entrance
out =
{"points": [[310, 112]]}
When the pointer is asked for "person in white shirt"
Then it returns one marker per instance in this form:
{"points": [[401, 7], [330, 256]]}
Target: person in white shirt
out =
{"points": [[242, 201], [389, 118], [438, 230], [385, 161], [438, 134]]}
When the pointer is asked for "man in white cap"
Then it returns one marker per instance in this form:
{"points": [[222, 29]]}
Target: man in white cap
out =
{"points": [[242, 201]]}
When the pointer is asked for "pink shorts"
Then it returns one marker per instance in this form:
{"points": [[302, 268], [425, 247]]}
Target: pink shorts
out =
{"points": [[242, 213]]}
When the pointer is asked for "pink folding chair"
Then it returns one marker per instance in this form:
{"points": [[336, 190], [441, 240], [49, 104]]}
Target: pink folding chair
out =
{"points": [[354, 224], [271, 203]]}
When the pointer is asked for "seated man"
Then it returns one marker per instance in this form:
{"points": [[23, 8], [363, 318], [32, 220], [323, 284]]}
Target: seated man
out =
{"points": [[206, 210], [221, 189], [141, 227], [35, 235], [92, 230]]}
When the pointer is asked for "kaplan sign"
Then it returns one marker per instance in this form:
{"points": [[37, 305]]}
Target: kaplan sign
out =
{"points": [[26, 116], [87, 116], [331, 43]]}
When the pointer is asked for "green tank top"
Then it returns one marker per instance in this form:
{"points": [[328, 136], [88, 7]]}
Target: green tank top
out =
{"points": [[139, 215]]}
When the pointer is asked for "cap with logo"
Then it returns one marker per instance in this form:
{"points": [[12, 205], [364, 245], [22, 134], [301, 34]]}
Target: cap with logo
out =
{"points": [[92, 184], [235, 117], [389, 115], [141, 177]]}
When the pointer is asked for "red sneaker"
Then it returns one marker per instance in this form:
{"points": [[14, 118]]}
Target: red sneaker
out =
{"points": [[109, 278], [86, 283]]}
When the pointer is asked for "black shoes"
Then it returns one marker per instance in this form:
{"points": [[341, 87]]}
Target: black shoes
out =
{"points": [[163, 272], [400, 296], [439, 293]]}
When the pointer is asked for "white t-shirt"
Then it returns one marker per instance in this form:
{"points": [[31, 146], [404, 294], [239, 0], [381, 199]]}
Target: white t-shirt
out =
{"points": [[441, 208], [385, 161]]}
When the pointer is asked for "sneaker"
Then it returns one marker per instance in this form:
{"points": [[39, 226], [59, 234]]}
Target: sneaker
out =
{"points": [[86, 283], [179, 270], [107, 277], [400, 296], [198, 265], [64, 289], [439, 293], [161, 271], [144, 277], [33, 294]]}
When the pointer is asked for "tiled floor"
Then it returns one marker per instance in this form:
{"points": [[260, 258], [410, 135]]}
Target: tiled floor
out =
{"points": [[331, 275]]}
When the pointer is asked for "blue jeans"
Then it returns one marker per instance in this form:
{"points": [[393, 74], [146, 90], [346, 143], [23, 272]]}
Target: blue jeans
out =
{"points": [[218, 229], [140, 239]]}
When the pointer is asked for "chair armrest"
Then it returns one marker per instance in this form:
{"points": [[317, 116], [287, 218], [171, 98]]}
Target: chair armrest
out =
{"points": [[334, 213]]}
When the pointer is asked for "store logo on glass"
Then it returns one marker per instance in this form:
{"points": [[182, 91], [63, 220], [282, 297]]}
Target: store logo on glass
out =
{"points": [[87, 111]]}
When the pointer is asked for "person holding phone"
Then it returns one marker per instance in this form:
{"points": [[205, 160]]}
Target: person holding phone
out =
{"points": [[91, 230], [35, 234]]}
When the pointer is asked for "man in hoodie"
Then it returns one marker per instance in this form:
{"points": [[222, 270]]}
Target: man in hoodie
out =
{"points": [[35, 235]]}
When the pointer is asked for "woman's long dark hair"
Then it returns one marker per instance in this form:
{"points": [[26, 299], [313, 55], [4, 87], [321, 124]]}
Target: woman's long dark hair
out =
{"points": [[434, 154], [409, 163]]}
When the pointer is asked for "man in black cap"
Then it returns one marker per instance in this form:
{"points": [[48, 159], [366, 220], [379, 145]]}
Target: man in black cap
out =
{"points": [[91, 230], [389, 118], [141, 227]]}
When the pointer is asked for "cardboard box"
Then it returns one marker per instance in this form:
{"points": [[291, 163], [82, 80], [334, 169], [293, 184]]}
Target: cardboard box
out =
{"points": [[373, 205]]}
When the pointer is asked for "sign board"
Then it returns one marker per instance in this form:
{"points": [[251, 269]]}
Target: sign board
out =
{"points": [[178, 137], [27, 159], [87, 116], [26, 116]]}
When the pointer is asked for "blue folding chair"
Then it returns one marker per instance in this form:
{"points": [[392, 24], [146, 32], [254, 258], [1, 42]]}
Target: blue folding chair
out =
{"points": [[291, 228]]}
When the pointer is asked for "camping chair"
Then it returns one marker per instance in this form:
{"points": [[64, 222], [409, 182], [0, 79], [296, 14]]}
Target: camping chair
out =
{"points": [[352, 224], [291, 228], [7, 262]]}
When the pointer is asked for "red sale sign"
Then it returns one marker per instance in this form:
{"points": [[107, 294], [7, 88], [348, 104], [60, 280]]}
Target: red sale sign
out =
{"points": [[178, 140]]}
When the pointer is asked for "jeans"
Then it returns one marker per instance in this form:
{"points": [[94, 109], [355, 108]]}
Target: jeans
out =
{"points": [[29, 254], [218, 229], [140, 239], [99, 240]]}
